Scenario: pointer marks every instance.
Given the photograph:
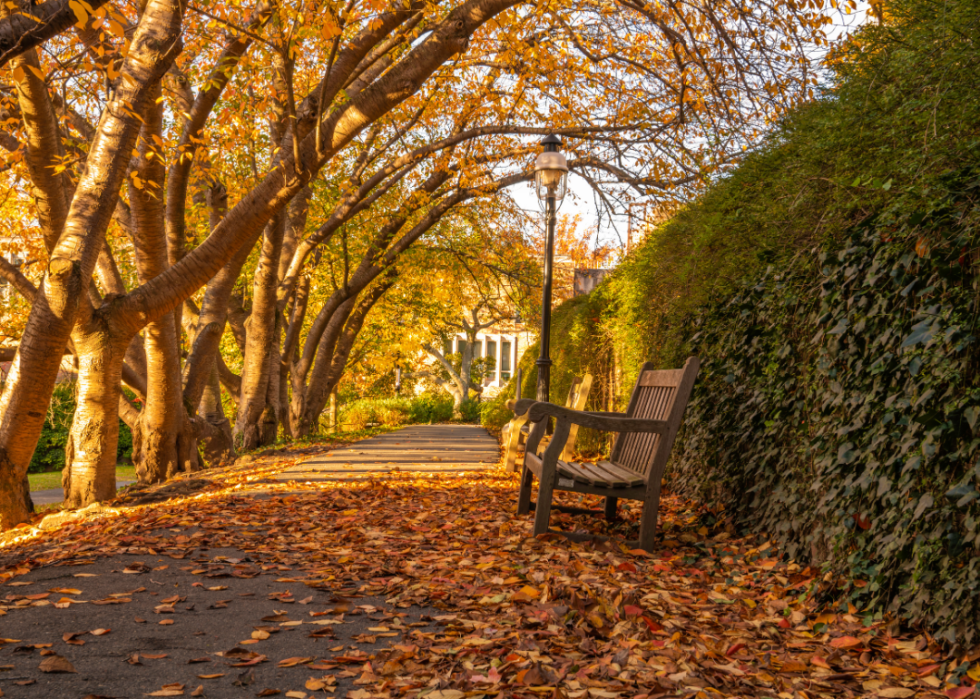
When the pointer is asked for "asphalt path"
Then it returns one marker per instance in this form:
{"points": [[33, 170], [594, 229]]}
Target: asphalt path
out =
{"points": [[217, 623], [138, 623]]}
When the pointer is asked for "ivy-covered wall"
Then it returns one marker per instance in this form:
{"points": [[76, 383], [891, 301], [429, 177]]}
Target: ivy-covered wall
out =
{"points": [[831, 286], [837, 409]]}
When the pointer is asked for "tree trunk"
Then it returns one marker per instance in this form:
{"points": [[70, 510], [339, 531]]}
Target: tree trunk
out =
{"points": [[269, 422], [161, 424], [333, 355], [32, 375], [290, 356], [155, 450], [307, 404], [90, 456], [218, 446], [255, 413]]}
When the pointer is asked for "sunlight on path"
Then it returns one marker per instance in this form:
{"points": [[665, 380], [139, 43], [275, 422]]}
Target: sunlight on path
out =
{"points": [[420, 448]]}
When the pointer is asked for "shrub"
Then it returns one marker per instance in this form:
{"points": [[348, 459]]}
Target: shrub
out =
{"points": [[393, 412], [494, 413], [469, 411], [49, 455], [429, 408]]}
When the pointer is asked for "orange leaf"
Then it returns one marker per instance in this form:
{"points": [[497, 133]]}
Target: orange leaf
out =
{"points": [[959, 692], [292, 662], [846, 642]]}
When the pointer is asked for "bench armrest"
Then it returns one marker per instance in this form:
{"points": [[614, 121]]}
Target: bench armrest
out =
{"points": [[520, 407], [605, 422]]}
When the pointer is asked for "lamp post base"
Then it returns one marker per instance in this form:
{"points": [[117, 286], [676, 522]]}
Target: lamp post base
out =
{"points": [[544, 379]]}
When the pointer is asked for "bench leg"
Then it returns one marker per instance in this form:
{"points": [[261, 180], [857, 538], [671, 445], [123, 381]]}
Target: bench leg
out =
{"points": [[542, 510], [648, 521], [610, 509], [524, 496], [514, 440]]}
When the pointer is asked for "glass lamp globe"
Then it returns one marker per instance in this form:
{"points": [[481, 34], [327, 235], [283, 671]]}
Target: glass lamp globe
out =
{"points": [[550, 172]]}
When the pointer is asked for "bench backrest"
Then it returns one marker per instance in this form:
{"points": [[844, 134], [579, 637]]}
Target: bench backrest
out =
{"points": [[658, 395], [578, 395]]}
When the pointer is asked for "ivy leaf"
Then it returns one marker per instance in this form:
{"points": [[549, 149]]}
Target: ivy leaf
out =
{"points": [[921, 332], [963, 494], [884, 485], [971, 414], [924, 504], [959, 491], [912, 464], [840, 328], [846, 453]]}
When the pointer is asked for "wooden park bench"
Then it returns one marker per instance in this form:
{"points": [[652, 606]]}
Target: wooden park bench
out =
{"points": [[646, 435], [516, 431]]}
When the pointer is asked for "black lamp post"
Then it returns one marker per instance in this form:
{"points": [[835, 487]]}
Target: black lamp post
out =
{"points": [[550, 178]]}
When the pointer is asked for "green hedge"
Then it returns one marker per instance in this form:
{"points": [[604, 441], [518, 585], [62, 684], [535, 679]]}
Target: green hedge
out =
{"points": [[424, 409]]}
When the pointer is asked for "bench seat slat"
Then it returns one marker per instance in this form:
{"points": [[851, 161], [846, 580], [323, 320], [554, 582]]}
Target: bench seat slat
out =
{"points": [[603, 474], [609, 474], [589, 473]]}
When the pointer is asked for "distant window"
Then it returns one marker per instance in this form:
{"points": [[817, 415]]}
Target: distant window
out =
{"points": [[477, 350], [505, 360], [492, 352], [460, 344]]}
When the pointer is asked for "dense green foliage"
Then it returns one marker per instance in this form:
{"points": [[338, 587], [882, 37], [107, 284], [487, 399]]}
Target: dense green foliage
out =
{"points": [[830, 285], [50, 452], [424, 409]]}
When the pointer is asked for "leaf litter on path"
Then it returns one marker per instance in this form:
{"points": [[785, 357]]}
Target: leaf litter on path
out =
{"points": [[708, 614]]}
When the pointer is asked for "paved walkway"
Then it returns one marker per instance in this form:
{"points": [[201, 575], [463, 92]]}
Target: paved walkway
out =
{"points": [[419, 448]]}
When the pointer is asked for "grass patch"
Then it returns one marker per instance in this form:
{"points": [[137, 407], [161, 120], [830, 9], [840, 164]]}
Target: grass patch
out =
{"points": [[52, 479]]}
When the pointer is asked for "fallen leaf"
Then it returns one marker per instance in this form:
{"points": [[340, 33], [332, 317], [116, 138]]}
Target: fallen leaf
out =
{"points": [[845, 642], [959, 692], [293, 662], [56, 663], [100, 632]]}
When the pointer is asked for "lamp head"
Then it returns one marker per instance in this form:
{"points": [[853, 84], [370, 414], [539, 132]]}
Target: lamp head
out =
{"points": [[550, 172]]}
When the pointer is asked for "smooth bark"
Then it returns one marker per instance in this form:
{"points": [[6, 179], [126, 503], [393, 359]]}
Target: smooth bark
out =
{"points": [[32, 375], [34, 24]]}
